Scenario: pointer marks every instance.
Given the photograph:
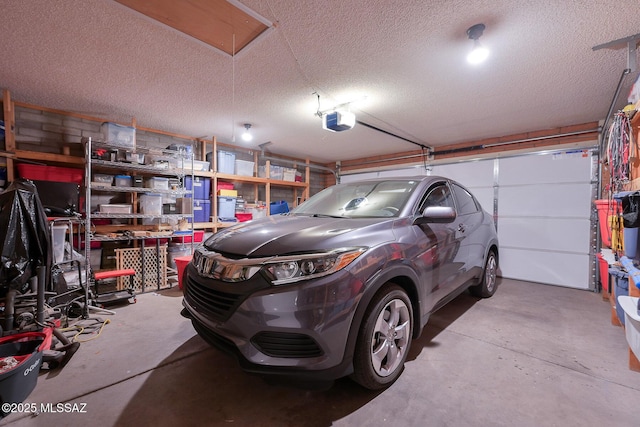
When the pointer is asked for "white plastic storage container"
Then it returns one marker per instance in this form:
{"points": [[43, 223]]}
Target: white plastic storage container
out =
{"points": [[200, 165], [632, 322], [288, 174], [275, 172], [115, 208], [157, 183], [118, 135], [244, 168], [151, 204], [226, 162], [102, 179], [59, 238]]}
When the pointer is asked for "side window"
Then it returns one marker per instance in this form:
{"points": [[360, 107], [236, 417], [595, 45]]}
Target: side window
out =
{"points": [[466, 202], [439, 195]]}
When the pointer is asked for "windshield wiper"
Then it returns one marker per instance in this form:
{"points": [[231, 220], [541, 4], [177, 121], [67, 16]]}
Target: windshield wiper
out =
{"points": [[327, 216]]}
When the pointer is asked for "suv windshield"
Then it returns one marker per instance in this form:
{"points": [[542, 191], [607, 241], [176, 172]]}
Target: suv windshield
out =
{"points": [[375, 199]]}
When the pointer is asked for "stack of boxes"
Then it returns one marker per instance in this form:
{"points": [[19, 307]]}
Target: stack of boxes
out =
{"points": [[200, 191], [226, 201]]}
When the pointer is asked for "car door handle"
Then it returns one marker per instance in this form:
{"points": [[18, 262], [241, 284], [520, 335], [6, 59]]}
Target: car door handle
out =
{"points": [[461, 228]]}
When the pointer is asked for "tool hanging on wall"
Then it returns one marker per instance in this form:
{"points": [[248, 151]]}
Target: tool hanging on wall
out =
{"points": [[621, 150]]}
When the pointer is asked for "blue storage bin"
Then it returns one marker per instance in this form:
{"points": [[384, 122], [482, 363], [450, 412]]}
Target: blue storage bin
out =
{"points": [[200, 187], [226, 208], [630, 236], [278, 207], [201, 210], [621, 281]]}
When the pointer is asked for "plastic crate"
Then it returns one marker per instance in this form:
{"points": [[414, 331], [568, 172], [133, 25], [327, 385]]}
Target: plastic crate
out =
{"points": [[151, 204], [201, 210], [221, 185], [183, 237], [157, 183], [102, 179], [242, 216], [288, 174], [226, 162], [118, 135], [278, 207], [244, 168], [50, 173], [632, 322], [621, 280], [200, 187], [226, 208], [123, 181], [116, 208]]}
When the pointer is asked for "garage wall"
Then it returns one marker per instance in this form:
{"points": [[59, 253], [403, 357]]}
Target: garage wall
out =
{"points": [[543, 207]]}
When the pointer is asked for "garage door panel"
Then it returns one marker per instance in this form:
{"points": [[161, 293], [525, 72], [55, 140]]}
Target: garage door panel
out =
{"points": [[542, 234], [417, 171], [546, 169], [485, 197], [470, 174], [553, 200], [545, 267]]}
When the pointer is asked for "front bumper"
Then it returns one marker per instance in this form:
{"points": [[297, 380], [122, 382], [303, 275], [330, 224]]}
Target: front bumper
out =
{"points": [[298, 330]]}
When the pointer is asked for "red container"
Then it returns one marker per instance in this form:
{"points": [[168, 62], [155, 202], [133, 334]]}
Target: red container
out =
{"points": [[50, 173], [606, 208], [221, 185], [152, 242], [181, 264], [198, 235], [242, 217], [603, 266]]}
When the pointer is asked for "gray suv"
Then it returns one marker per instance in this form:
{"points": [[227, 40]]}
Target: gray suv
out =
{"points": [[341, 284]]}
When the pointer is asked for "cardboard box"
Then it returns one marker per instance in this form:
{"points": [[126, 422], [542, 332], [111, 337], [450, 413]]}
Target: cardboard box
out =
{"points": [[184, 205]]}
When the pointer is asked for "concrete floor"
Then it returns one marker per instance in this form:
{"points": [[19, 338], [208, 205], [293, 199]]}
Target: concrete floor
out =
{"points": [[532, 355]]}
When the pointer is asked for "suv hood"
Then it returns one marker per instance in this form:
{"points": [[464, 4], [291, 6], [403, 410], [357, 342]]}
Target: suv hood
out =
{"points": [[291, 234]]}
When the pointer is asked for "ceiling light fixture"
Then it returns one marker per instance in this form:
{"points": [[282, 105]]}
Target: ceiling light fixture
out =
{"points": [[479, 53], [246, 135]]}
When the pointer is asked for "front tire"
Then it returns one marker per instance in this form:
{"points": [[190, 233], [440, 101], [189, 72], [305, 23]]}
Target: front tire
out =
{"points": [[489, 282], [384, 339]]}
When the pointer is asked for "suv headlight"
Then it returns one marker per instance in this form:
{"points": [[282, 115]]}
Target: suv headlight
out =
{"points": [[293, 268], [279, 270]]}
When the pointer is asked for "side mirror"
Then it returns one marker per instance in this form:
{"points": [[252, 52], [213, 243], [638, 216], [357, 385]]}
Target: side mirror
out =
{"points": [[436, 214]]}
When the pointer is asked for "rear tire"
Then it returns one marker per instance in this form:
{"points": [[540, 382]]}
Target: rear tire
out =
{"points": [[489, 283], [384, 339]]}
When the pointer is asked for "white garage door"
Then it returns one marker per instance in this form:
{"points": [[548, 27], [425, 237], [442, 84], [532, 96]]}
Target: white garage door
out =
{"points": [[543, 207]]}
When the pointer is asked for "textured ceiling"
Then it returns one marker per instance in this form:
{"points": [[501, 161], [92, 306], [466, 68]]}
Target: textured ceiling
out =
{"points": [[407, 57]]}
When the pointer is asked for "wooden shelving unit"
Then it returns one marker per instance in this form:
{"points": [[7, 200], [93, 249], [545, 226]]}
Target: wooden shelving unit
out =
{"points": [[12, 154]]}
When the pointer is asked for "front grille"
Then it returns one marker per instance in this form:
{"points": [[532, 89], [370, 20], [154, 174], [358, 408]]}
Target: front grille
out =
{"points": [[284, 344], [216, 304]]}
